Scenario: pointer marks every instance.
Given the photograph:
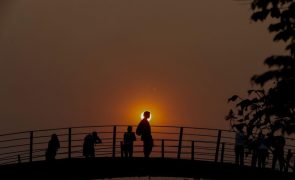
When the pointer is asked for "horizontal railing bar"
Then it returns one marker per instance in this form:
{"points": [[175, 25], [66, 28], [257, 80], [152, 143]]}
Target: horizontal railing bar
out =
{"points": [[38, 143], [229, 143], [165, 139], [48, 136], [204, 159], [293, 146], [200, 153], [228, 155], [8, 157], [201, 141], [13, 152], [16, 139], [97, 149], [82, 127], [227, 137], [204, 147], [12, 146], [202, 135], [55, 129], [16, 133], [80, 133], [186, 127], [157, 132], [9, 162]]}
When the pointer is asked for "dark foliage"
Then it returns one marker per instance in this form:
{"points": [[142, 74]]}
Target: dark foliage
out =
{"points": [[274, 108]]}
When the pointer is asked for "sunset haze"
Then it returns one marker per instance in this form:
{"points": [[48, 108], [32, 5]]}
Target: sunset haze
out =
{"points": [[95, 62]]}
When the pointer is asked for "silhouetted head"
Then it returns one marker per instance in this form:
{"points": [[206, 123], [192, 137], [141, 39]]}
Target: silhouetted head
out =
{"points": [[261, 135], [147, 115], [94, 134], [239, 127], [129, 129], [53, 136]]}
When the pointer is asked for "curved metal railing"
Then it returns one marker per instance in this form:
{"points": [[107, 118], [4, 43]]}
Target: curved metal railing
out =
{"points": [[169, 142]]}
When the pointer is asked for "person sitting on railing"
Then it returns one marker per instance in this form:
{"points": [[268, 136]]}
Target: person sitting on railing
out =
{"points": [[129, 137], [53, 146], [89, 142], [144, 130]]}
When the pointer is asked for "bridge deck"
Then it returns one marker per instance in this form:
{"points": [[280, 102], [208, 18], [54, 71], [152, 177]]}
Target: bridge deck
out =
{"points": [[177, 152], [120, 167]]}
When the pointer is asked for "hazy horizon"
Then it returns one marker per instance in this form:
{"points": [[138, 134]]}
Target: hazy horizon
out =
{"points": [[94, 62]]}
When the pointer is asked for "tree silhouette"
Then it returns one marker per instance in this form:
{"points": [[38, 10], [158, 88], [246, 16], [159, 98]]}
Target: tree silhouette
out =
{"points": [[272, 107]]}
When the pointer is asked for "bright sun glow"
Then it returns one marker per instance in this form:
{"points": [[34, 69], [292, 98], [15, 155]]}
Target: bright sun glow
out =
{"points": [[141, 116], [136, 109]]}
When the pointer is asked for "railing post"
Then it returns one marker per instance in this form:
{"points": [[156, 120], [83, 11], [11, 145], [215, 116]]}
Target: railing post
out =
{"points": [[18, 159], [70, 143], [222, 152], [163, 149], [114, 141], [217, 145], [31, 145], [180, 142], [193, 150], [121, 147]]}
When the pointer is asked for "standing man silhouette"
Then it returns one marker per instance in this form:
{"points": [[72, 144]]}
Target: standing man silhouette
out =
{"points": [[278, 143], [144, 130], [239, 145]]}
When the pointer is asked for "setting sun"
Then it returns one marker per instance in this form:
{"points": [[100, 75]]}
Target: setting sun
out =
{"points": [[142, 116], [137, 108]]}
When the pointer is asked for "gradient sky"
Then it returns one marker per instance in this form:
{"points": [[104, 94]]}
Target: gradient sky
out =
{"points": [[95, 62]]}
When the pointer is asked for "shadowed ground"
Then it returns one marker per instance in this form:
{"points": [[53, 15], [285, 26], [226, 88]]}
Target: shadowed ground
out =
{"points": [[120, 167]]}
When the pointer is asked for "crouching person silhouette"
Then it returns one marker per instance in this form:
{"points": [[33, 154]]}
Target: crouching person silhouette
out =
{"points": [[129, 137], [144, 130], [89, 142], [53, 146]]}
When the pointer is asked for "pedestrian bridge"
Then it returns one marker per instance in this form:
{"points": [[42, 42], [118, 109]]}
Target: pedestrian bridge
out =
{"points": [[178, 152]]}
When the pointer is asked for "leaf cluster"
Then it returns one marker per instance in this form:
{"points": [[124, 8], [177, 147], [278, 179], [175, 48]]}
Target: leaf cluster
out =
{"points": [[282, 12], [272, 109]]}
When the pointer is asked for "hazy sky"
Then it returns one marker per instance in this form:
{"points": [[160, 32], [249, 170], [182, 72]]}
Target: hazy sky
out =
{"points": [[95, 62]]}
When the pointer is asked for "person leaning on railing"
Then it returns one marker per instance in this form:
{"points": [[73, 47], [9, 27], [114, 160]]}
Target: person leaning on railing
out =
{"points": [[89, 142]]}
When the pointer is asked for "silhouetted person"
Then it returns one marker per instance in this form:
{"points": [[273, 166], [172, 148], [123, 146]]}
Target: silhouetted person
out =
{"points": [[239, 146], [262, 151], [53, 146], [89, 142], [278, 143], [129, 137], [253, 147], [144, 130]]}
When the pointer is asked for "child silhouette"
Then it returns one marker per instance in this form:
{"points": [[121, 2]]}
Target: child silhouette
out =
{"points": [[129, 137]]}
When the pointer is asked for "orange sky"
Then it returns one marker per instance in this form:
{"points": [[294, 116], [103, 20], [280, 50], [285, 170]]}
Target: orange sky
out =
{"points": [[94, 62]]}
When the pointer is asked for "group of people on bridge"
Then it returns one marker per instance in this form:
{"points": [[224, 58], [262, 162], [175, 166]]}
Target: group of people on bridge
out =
{"points": [[260, 148], [143, 129]]}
